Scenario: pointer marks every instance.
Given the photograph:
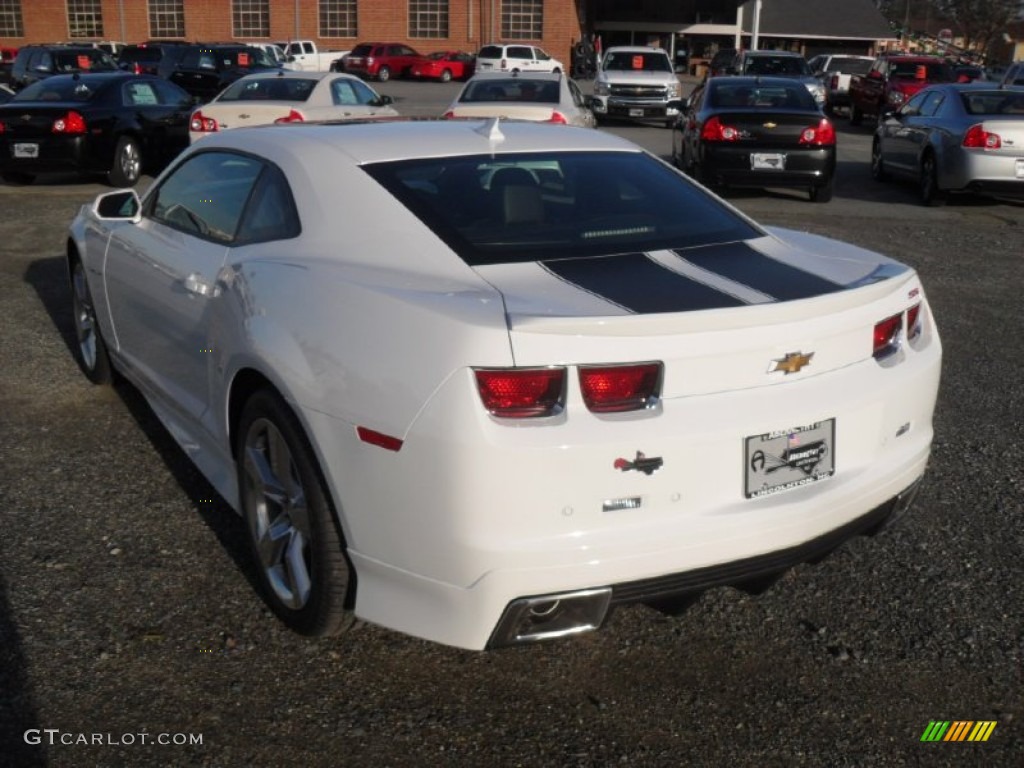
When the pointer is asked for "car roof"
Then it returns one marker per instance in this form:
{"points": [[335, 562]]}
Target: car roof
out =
{"points": [[517, 76], [792, 54], [295, 74], [382, 140], [635, 49], [753, 80]]}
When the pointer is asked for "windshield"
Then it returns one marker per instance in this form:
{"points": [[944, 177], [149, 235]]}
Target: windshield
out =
{"points": [[93, 60], [748, 94], [932, 71], [776, 65], [849, 66], [626, 61], [59, 89], [995, 102], [558, 205], [272, 88], [510, 89]]}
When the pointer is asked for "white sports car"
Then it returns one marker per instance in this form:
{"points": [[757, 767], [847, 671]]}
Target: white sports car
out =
{"points": [[481, 381]]}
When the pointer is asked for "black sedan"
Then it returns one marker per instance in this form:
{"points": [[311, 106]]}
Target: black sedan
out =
{"points": [[756, 132], [116, 124]]}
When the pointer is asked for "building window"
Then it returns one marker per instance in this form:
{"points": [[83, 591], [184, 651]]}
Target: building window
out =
{"points": [[522, 19], [166, 18], [428, 18], [11, 24], [338, 18], [85, 18], [250, 18]]}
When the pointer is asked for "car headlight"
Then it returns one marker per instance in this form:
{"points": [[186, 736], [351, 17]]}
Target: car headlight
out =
{"points": [[896, 98], [672, 91], [601, 88], [817, 91]]}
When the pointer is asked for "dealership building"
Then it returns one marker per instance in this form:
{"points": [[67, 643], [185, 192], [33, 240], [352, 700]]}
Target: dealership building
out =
{"points": [[692, 28]]}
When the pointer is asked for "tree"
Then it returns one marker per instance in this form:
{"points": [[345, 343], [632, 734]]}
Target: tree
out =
{"points": [[980, 22]]}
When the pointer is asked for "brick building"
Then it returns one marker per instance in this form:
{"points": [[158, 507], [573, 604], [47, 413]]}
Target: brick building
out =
{"points": [[426, 25]]}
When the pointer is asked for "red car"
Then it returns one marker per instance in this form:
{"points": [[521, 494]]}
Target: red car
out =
{"points": [[380, 60], [445, 66]]}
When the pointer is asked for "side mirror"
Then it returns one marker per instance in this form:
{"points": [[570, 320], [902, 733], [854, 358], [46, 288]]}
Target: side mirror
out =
{"points": [[120, 205], [384, 100]]}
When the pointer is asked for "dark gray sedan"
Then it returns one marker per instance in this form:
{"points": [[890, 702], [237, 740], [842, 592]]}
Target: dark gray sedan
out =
{"points": [[955, 138]]}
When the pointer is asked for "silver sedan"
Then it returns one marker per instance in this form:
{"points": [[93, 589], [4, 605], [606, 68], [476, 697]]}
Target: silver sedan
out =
{"points": [[538, 96], [955, 138]]}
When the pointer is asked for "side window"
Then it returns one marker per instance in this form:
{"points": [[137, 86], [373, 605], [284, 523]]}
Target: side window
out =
{"points": [[170, 94], [205, 195], [307, 47], [342, 92], [931, 103], [271, 214], [519, 52], [913, 107], [364, 94], [577, 95], [207, 60], [140, 94], [191, 59]]}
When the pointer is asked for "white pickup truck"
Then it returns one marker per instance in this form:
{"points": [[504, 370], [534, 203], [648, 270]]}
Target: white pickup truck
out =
{"points": [[636, 83], [304, 55], [834, 72]]}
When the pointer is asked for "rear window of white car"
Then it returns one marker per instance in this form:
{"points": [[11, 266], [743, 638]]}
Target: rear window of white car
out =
{"points": [[528, 207], [272, 88], [510, 89]]}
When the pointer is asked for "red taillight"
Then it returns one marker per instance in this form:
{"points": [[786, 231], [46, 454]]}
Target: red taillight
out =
{"points": [[373, 437], [715, 130], [521, 393], [137, 69], [614, 388], [887, 336], [200, 123], [914, 325], [821, 135], [558, 117], [291, 117], [70, 122], [978, 138]]}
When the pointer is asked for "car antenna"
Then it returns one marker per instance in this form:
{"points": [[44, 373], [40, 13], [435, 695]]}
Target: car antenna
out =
{"points": [[491, 131]]}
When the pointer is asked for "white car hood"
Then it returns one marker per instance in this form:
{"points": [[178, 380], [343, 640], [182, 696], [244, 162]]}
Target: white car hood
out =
{"points": [[637, 77]]}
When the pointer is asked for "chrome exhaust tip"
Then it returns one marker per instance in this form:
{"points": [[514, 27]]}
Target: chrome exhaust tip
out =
{"points": [[548, 617]]}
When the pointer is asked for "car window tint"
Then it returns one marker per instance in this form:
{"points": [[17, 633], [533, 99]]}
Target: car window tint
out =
{"points": [[206, 194], [913, 107], [931, 103], [993, 102], [271, 213], [519, 52], [343, 92], [364, 93], [56, 89], [140, 94], [170, 94], [529, 207]]}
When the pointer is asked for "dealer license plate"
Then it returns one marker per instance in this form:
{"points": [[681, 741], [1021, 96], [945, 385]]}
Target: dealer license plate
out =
{"points": [[761, 161], [1019, 167], [25, 149], [788, 458], [636, 112]]}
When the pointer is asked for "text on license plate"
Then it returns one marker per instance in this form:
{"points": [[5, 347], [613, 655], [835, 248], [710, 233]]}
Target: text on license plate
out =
{"points": [[636, 112], [25, 149], [767, 161], [1019, 167], [789, 458]]}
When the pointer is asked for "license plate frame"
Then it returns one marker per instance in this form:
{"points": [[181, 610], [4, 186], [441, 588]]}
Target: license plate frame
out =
{"points": [[636, 111], [25, 150], [767, 161], [784, 459]]}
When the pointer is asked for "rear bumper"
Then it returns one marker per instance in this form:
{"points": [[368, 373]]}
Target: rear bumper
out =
{"points": [[76, 153], [731, 166], [983, 172]]}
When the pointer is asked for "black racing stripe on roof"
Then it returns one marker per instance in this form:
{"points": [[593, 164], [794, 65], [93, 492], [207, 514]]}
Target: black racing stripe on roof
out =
{"points": [[638, 284], [750, 267]]}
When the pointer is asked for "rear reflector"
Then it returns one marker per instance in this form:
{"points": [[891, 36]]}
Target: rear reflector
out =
{"points": [[521, 393], [887, 336], [615, 388], [379, 439]]}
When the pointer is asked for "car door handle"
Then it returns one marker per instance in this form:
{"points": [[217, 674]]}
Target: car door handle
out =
{"points": [[195, 283]]}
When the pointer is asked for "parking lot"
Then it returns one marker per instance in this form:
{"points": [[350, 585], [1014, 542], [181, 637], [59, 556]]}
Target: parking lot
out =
{"points": [[130, 624]]}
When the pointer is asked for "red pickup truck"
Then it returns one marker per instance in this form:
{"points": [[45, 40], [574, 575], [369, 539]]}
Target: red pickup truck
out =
{"points": [[891, 81]]}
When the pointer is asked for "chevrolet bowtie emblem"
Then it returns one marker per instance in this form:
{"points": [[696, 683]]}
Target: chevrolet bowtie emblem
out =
{"points": [[769, 125], [791, 363]]}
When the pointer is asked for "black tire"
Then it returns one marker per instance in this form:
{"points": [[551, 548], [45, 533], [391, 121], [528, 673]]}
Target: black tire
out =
{"points": [[93, 357], [928, 182], [296, 544], [446, 75], [821, 193], [556, 71], [878, 172], [383, 74], [856, 116], [126, 169], [18, 177]]}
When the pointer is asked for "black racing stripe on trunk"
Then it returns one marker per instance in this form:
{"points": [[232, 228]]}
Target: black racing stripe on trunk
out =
{"points": [[638, 284], [745, 265]]}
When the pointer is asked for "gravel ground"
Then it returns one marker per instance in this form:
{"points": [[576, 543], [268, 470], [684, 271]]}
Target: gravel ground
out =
{"points": [[127, 605]]}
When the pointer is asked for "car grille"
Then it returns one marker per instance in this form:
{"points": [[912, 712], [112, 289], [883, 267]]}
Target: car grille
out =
{"points": [[639, 91]]}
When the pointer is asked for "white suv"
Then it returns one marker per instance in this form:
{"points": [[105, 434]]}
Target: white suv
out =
{"points": [[515, 58], [636, 83]]}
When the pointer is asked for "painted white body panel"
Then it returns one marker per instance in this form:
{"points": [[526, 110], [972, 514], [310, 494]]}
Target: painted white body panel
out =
{"points": [[476, 511]]}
